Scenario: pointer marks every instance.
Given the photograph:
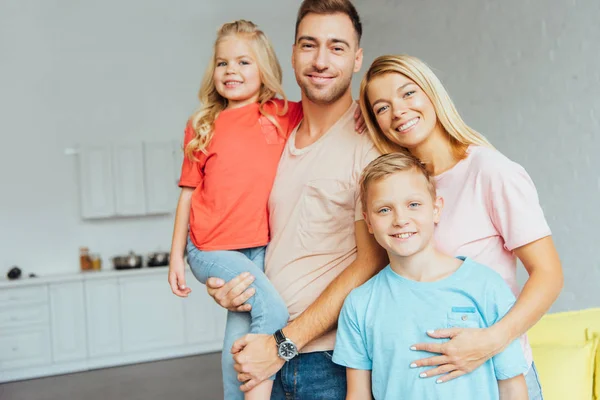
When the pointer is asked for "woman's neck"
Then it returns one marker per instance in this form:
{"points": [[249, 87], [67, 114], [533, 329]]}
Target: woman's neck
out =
{"points": [[436, 152]]}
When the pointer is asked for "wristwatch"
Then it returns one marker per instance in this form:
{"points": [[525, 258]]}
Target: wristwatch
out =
{"points": [[286, 349]]}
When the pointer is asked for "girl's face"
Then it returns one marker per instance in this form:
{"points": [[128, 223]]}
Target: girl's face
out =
{"points": [[403, 111], [236, 73]]}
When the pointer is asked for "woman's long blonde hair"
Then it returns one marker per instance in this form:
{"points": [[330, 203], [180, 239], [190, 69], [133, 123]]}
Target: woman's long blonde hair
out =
{"points": [[212, 103], [459, 133]]}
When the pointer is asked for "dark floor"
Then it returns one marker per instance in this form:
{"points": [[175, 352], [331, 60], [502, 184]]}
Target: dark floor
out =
{"points": [[193, 378]]}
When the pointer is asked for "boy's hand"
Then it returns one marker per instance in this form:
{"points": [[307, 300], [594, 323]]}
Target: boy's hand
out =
{"points": [[233, 294], [177, 277]]}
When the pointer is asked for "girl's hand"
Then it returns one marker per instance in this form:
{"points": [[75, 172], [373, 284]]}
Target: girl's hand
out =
{"points": [[359, 121], [177, 277], [467, 349]]}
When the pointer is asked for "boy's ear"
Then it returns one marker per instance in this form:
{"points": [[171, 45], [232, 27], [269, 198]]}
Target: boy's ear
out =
{"points": [[365, 217], [438, 205]]}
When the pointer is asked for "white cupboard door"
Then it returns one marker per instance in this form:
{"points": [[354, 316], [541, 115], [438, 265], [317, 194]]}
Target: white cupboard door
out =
{"points": [[67, 316], [96, 182], [103, 320], [151, 315], [202, 314], [128, 163], [161, 191]]}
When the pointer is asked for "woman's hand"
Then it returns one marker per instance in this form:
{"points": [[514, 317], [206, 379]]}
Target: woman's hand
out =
{"points": [[177, 277], [467, 349]]}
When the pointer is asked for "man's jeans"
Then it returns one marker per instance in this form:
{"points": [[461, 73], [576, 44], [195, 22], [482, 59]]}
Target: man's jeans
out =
{"points": [[310, 376]]}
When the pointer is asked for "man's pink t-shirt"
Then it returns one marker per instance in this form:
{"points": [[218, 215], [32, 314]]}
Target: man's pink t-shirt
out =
{"points": [[491, 207]]}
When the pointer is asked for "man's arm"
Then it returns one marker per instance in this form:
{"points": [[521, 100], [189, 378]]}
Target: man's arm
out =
{"points": [[256, 355], [322, 315], [359, 384]]}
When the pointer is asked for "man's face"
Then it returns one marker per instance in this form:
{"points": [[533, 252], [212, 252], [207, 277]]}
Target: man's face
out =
{"points": [[325, 56]]}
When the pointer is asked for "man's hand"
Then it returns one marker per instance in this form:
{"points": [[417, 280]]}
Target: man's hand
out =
{"points": [[255, 359], [233, 294], [467, 349], [177, 277]]}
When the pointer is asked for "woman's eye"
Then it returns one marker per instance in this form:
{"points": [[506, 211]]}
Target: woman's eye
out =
{"points": [[380, 109]]}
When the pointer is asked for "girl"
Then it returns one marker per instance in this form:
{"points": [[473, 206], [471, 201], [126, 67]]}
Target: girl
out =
{"points": [[232, 148], [492, 213]]}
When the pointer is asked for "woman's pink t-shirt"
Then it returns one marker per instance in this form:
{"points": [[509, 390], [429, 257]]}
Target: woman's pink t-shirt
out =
{"points": [[491, 207]]}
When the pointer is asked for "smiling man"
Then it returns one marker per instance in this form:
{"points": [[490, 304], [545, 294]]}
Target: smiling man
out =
{"points": [[320, 247]]}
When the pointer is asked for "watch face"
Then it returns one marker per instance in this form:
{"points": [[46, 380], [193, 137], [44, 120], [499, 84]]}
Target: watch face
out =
{"points": [[287, 350]]}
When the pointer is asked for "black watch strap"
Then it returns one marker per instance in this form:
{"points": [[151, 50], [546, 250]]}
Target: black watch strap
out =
{"points": [[279, 337]]}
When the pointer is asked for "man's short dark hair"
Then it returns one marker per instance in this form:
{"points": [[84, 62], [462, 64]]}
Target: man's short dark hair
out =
{"points": [[330, 7]]}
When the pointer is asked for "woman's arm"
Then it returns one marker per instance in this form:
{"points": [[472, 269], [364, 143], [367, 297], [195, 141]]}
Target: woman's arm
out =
{"points": [[180, 232], [359, 384], [470, 348]]}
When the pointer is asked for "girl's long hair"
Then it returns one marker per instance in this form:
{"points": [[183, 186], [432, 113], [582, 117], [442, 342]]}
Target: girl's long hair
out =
{"points": [[212, 103], [459, 133]]}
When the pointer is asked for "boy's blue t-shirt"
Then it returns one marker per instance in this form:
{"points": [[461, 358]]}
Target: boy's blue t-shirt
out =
{"points": [[381, 319]]}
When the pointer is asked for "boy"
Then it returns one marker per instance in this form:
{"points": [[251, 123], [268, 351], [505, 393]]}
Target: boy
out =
{"points": [[420, 288]]}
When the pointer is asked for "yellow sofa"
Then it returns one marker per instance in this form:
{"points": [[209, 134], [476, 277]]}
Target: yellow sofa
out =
{"points": [[567, 355]]}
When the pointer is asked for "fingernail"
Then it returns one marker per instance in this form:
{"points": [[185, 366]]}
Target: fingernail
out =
{"points": [[413, 348], [423, 375], [413, 365], [438, 381], [430, 331]]}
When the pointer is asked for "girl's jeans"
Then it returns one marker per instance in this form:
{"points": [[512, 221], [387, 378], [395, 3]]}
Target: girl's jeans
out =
{"points": [[269, 313]]}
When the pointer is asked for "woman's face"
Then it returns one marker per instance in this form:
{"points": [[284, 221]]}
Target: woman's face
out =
{"points": [[403, 111]]}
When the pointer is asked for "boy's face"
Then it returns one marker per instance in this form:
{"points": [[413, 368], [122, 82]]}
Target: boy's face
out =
{"points": [[401, 213]]}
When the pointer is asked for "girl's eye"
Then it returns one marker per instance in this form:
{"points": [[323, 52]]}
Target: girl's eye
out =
{"points": [[414, 205], [409, 93], [380, 109]]}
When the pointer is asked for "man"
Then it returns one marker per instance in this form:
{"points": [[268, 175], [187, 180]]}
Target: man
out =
{"points": [[320, 247]]}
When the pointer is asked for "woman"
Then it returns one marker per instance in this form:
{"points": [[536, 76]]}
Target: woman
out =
{"points": [[491, 209]]}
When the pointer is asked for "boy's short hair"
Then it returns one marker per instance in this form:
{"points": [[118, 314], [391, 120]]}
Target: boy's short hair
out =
{"points": [[330, 7], [387, 165]]}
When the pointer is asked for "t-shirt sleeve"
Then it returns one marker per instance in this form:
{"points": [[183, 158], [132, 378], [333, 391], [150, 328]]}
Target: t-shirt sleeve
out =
{"points": [[191, 171], [350, 348], [499, 300], [369, 153], [514, 206]]}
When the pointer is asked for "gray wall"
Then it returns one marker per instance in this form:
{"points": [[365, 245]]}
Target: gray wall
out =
{"points": [[527, 75]]}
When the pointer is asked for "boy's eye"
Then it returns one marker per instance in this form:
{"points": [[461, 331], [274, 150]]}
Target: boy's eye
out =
{"points": [[380, 109]]}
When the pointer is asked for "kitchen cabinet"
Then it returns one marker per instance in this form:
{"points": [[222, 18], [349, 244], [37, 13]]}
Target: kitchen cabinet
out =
{"points": [[103, 317], [128, 179], [82, 321], [67, 321]]}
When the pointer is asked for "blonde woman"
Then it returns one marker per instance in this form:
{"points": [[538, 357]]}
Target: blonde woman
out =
{"points": [[232, 148], [491, 209]]}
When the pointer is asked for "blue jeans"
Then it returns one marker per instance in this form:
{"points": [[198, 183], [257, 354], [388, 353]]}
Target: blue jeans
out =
{"points": [[269, 312], [533, 384], [310, 376]]}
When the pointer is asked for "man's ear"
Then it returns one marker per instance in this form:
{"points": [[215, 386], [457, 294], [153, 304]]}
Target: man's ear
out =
{"points": [[438, 206], [366, 218], [358, 60]]}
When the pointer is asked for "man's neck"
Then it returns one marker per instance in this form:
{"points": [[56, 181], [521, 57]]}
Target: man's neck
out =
{"points": [[428, 265], [319, 118]]}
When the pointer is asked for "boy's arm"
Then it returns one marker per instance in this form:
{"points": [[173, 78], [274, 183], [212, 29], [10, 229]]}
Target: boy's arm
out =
{"points": [[359, 384], [513, 388]]}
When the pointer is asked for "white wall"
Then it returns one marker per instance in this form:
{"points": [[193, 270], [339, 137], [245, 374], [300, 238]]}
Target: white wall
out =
{"points": [[85, 72], [526, 73]]}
